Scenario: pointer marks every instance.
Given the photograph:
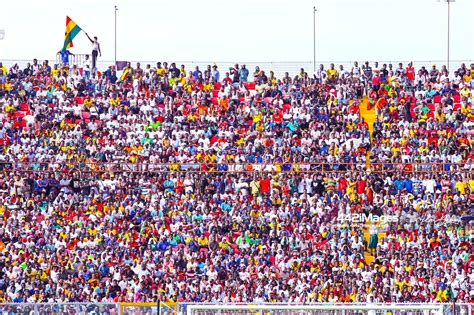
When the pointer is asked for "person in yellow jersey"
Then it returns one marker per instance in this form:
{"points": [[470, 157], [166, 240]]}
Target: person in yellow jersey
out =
{"points": [[332, 73]]}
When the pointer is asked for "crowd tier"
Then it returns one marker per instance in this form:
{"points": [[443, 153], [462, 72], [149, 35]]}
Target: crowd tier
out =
{"points": [[189, 185]]}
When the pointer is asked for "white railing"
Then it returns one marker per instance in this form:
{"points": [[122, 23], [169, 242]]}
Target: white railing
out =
{"points": [[60, 308], [326, 308], [238, 308], [76, 59], [278, 67]]}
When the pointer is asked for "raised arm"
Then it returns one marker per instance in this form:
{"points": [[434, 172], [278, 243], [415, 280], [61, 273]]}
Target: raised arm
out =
{"points": [[89, 38]]}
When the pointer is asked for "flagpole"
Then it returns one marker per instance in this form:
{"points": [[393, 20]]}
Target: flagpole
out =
{"points": [[115, 51]]}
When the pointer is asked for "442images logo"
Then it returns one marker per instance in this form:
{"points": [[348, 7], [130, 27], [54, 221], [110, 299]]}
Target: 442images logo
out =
{"points": [[366, 218]]}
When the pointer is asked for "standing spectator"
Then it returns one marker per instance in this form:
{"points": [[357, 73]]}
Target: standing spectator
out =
{"points": [[215, 75], [65, 53], [86, 68], [244, 73], [235, 73], [95, 51]]}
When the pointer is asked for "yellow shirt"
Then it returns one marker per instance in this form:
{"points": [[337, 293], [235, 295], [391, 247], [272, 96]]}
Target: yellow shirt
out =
{"points": [[202, 241], [332, 73], [254, 186], [423, 149], [9, 108], [465, 92], [467, 78], [87, 103], [461, 187], [257, 117], [208, 87], [160, 71], [115, 101], [442, 295], [471, 185]]}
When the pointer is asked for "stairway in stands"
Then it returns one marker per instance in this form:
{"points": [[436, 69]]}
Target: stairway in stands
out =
{"points": [[369, 117]]}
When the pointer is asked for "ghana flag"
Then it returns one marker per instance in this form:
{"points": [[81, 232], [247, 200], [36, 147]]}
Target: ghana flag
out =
{"points": [[71, 31]]}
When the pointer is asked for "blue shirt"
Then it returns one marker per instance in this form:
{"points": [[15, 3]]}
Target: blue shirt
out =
{"points": [[409, 185], [324, 150], [399, 184], [244, 73], [196, 73], [65, 56], [216, 75], [169, 185]]}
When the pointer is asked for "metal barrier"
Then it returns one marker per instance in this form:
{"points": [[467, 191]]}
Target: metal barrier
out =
{"points": [[60, 308], [326, 308], [326, 167], [151, 308], [76, 59], [166, 308], [278, 67]]}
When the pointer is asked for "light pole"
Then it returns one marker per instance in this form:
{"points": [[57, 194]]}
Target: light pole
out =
{"points": [[314, 39], [115, 51], [2, 35], [449, 26]]}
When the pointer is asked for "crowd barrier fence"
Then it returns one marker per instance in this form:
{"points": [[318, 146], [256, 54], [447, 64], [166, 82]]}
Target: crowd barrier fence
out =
{"points": [[326, 309], [172, 308], [278, 67], [236, 168]]}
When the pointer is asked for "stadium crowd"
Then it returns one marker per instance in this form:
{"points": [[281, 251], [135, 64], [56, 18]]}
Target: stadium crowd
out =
{"points": [[196, 185]]}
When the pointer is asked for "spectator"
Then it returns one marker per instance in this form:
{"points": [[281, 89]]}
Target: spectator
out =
{"points": [[95, 51]]}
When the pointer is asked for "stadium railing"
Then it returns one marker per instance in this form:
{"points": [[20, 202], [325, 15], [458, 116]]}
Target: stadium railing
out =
{"points": [[60, 308], [278, 67], [76, 59], [326, 309], [171, 308], [141, 167], [152, 308]]}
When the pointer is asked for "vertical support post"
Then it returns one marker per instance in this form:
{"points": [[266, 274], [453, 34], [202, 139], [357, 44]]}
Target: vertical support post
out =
{"points": [[449, 28], [115, 35], [314, 39]]}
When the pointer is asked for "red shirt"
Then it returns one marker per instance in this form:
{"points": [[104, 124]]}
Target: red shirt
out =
{"points": [[362, 124], [278, 117], [376, 80], [410, 73], [370, 195], [360, 186], [265, 185], [342, 185], [406, 150]]}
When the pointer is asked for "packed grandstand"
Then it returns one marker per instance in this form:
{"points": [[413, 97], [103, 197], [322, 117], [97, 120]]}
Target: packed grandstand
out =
{"points": [[175, 184]]}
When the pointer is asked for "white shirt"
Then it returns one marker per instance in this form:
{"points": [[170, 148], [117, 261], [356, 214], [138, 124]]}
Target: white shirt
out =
{"points": [[86, 64]]}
